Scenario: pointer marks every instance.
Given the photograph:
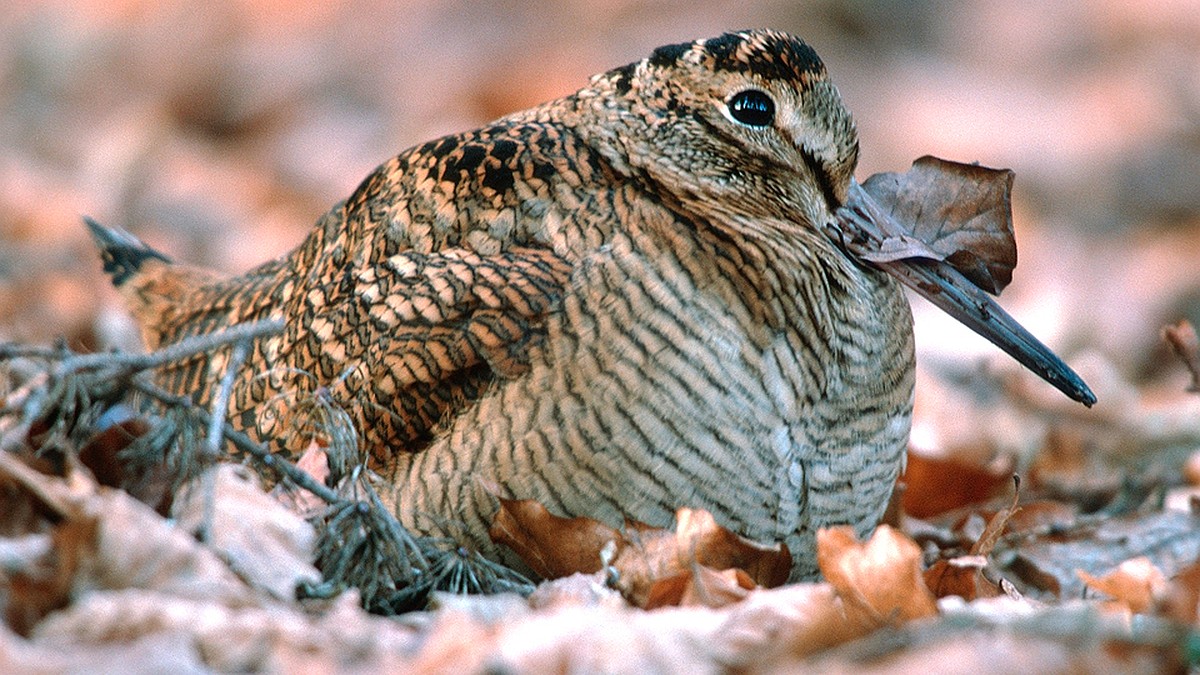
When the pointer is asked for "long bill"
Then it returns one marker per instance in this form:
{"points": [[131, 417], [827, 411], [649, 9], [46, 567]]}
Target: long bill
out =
{"points": [[949, 290]]}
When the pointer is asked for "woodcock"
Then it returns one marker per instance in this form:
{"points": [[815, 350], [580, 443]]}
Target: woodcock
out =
{"points": [[617, 303]]}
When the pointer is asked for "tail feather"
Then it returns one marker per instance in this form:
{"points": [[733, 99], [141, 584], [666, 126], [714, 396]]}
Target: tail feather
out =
{"points": [[123, 254]]}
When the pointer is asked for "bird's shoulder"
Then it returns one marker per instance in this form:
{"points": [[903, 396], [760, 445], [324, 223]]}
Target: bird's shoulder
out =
{"points": [[506, 184]]}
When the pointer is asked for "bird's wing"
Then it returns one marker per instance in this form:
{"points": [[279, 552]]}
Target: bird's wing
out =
{"points": [[433, 280], [405, 302], [403, 345]]}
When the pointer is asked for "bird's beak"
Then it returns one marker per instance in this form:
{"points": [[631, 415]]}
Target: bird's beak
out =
{"points": [[947, 288], [926, 272]]}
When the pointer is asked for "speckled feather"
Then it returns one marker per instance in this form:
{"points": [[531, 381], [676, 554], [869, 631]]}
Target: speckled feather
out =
{"points": [[617, 303]]}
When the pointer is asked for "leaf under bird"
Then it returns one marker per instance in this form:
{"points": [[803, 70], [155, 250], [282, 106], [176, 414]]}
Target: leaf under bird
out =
{"points": [[617, 303]]}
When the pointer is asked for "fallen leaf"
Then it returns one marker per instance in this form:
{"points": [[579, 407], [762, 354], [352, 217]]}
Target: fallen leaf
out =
{"points": [[996, 524], [771, 629], [252, 636], [1001, 636], [551, 545], [45, 582], [577, 590], [640, 556], [960, 213], [700, 587], [697, 539], [1191, 469], [100, 453], [880, 579], [934, 485], [134, 547], [268, 546], [1134, 584], [963, 575]]}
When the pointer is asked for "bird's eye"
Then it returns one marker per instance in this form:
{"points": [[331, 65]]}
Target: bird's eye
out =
{"points": [[752, 108]]}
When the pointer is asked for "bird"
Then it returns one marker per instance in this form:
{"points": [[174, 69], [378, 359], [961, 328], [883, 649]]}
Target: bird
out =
{"points": [[617, 303]]}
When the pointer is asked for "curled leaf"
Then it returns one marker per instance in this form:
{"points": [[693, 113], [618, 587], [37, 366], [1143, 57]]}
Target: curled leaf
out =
{"points": [[552, 546], [1133, 585], [650, 564], [940, 210], [879, 579], [651, 555]]}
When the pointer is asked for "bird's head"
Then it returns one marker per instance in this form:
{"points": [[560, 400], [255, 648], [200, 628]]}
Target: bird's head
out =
{"points": [[747, 131], [746, 123]]}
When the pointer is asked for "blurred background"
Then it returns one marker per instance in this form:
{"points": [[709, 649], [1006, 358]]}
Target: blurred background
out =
{"points": [[219, 130]]}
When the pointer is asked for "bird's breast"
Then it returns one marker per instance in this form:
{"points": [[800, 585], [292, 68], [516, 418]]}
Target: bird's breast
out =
{"points": [[657, 390]]}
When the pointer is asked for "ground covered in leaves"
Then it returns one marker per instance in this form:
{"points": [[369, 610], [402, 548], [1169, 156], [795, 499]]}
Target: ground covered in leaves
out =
{"points": [[220, 131]]}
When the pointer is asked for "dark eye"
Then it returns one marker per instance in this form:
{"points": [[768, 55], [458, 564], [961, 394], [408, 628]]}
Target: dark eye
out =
{"points": [[752, 108]]}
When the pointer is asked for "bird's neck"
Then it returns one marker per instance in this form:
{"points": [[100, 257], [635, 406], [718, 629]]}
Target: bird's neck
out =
{"points": [[786, 274]]}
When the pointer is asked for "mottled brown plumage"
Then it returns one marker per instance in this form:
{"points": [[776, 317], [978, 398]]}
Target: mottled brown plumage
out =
{"points": [[618, 303]]}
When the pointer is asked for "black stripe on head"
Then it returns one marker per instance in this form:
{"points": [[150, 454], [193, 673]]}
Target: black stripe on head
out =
{"points": [[767, 54], [622, 78], [668, 55]]}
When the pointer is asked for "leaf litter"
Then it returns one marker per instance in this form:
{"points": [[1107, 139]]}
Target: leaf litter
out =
{"points": [[239, 580]]}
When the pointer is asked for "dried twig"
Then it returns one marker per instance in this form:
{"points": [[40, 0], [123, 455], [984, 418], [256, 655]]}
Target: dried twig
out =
{"points": [[242, 442], [216, 437], [70, 362]]}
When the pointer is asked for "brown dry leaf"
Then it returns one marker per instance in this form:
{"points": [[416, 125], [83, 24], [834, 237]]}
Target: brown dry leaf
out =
{"points": [[1191, 470], [1185, 344], [242, 637], [155, 653], [461, 641], [651, 555], [700, 587], [960, 213], [935, 485], [501, 633], [880, 579], [43, 583], [963, 575], [997, 523], [577, 590], [552, 546], [768, 631], [1016, 646], [1134, 584], [642, 556], [101, 455], [772, 628]]}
